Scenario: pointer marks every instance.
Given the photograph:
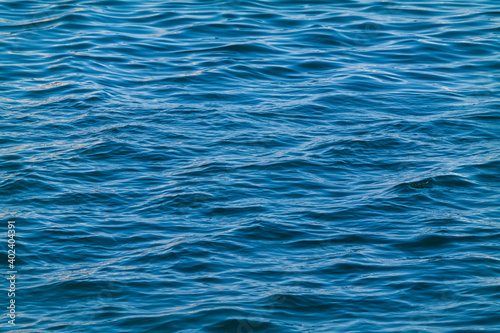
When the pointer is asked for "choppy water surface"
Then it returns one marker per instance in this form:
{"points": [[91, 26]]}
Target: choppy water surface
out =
{"points": [[252, 166]]}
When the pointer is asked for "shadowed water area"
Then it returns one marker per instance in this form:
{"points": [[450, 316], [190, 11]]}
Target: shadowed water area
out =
{"points": [[251, 166]]}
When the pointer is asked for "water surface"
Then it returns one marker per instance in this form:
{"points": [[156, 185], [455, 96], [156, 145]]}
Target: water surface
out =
{"points": [[252, 166]]}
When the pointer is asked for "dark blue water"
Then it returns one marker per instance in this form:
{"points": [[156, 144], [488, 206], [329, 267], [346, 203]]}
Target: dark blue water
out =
{"points": [[251, 166]]}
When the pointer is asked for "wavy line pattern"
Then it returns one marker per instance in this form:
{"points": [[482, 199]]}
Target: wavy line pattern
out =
{"points": [[252, 166]]}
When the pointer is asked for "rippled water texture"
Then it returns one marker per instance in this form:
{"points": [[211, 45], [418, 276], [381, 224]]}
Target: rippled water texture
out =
{"points": [[251, 166]]}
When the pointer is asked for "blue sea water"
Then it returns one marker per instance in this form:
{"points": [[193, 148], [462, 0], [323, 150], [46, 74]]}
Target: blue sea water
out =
{"points": [[251, 166]]}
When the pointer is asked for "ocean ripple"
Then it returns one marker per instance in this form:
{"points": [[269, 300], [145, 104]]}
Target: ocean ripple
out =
{"points": [[251, 166]]}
